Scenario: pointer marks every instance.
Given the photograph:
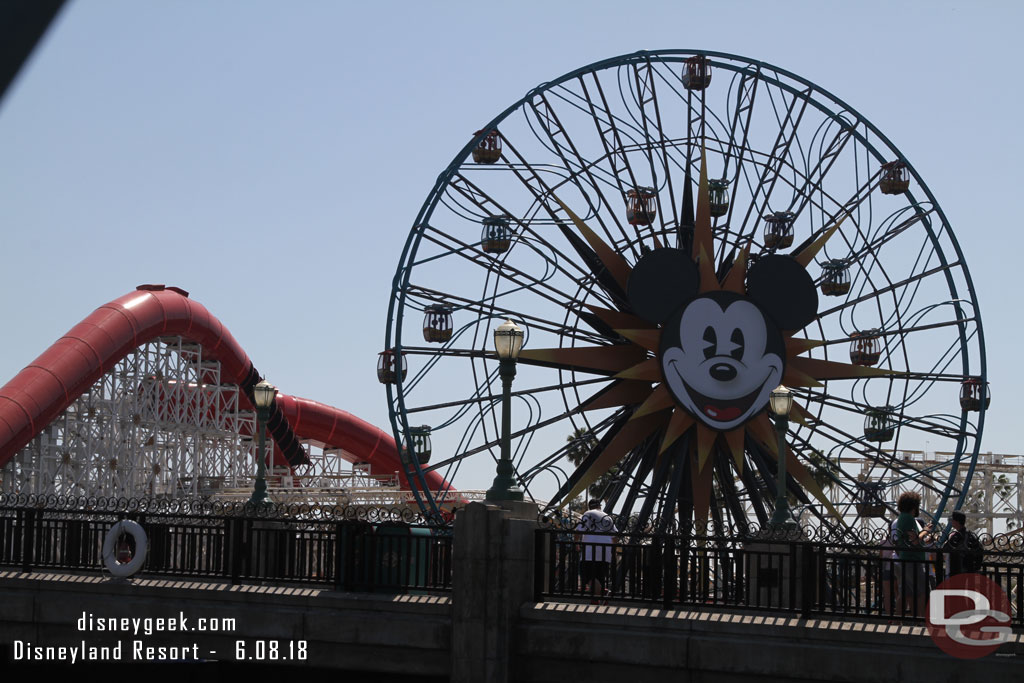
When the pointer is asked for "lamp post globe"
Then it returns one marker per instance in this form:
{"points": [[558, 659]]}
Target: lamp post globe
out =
{"points": [[781, 401], [508, 342], [263, 396]]}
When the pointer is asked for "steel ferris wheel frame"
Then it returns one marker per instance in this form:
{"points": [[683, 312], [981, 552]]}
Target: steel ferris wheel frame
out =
{"points": [[551, 207]]}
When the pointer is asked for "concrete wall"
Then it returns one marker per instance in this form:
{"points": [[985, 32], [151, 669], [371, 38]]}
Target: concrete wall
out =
{"points": [[489, 630], [556, 643], [343, 630]]}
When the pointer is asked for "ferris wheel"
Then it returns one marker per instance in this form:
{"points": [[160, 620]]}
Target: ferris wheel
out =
{"points": [[678, 233]]}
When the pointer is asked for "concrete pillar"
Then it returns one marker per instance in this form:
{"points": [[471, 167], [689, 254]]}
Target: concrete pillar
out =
{"points": [[492, 576]]}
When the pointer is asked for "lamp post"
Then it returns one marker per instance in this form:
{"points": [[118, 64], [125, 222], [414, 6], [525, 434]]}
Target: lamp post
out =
{"points": [[263, 394], [781, 403], [508, 341]]}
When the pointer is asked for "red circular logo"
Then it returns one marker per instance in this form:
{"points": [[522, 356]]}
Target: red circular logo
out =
{"points": [[969, 616]]}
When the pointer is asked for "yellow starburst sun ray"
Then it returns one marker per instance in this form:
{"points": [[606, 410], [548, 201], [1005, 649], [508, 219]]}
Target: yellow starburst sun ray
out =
{"points": [[639, 381], [628, 438]]}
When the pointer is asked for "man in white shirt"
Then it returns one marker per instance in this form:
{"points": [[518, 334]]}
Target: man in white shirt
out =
{"points": [[595, 531]]}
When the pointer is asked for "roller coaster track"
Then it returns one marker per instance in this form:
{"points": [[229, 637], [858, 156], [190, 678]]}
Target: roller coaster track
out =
{"points": [[55, 398]]}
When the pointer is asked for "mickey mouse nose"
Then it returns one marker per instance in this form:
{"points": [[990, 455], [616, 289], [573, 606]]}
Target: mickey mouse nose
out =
{"points": [[723, 372]]}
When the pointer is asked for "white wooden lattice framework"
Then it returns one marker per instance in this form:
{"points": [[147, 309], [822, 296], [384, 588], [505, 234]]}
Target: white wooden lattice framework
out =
{"points": [[161, 423], [995, 500]]}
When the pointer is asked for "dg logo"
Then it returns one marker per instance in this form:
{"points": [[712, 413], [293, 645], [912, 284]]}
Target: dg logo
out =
{"points": [[966, 614]]}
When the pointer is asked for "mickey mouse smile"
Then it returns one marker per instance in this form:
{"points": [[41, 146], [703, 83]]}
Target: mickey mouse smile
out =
{"points": [[722, 410]]}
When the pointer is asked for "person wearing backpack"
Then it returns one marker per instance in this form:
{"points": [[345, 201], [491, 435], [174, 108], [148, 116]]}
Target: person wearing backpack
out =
{"points": [[966, 554]]}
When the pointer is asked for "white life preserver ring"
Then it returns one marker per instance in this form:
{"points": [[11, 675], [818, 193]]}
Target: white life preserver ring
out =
{"points": [[123, 569]]}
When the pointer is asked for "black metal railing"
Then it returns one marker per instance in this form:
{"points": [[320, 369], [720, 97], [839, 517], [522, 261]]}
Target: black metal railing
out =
{"points": [[369, 549], [789, 574]]}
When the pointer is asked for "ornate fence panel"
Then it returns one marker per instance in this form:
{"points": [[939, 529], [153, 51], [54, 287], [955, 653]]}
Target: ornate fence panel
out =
{"points": [[807, 572], [356, 549]]}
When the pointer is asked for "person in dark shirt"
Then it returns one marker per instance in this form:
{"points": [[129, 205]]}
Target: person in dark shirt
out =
{"points": [[965, 555]]}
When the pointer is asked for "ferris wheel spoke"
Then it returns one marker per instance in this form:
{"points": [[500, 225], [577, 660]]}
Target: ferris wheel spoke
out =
{"points": [[941, 364], [489, 399], [695, 126], [463, 184], [829, 469], [739, 130], [612, 143], [486, 308], [525, 281], [870, 248], [906, 297], [742, 116], [928, 424], [923, 423], [897, 333], [495, 443], [644, 79], [884, 460], [833, 210], [552, 126], [773, 166], [630, 480], [875, 293], [543, 193], [936, 467], [654, 494], [814, 180], [614, 425]]}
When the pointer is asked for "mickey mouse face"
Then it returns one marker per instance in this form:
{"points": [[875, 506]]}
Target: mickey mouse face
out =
{"points": [[721, 357], [722, 353]]}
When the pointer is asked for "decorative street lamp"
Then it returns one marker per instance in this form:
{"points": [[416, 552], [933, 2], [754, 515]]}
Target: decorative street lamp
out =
{"points": [[508, 341], [781, 403], [264, 394]]}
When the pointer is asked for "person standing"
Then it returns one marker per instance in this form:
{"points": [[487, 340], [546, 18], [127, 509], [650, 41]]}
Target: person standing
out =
{"points": [[595, 529], [966, 555], [909, 540]]}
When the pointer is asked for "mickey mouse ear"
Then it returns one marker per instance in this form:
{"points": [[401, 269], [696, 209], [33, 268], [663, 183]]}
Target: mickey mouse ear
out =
{"points": [[783, 289], [661, 282]]}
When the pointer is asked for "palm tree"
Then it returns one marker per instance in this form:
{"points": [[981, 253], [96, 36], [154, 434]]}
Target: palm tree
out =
{"points": [[581, 443], [823, 472]]}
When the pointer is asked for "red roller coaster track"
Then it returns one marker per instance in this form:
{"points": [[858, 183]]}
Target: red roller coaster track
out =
{"points": [[40, 392]]}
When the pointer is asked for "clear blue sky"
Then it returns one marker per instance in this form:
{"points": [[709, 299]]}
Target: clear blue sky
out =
{"points": [[270, 157]]}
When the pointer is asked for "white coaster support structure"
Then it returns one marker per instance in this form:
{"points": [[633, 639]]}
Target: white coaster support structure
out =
{"points": [[159, 424]]}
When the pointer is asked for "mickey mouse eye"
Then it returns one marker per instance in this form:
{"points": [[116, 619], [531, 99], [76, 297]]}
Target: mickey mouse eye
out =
{"points": [[711, 339], [738, 342]]}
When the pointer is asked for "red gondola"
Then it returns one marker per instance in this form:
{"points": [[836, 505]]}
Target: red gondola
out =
{"points": [[437, 323], [640, 206], [697, 74], [489, 149], [387, 372], [865, 347], [974, 394], [895, 178]]}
